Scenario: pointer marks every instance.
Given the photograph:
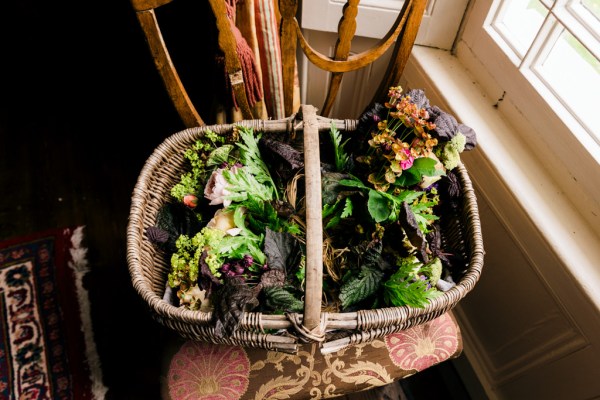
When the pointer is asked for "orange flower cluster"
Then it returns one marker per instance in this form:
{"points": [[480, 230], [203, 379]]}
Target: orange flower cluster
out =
{"points": [[401, 138]]}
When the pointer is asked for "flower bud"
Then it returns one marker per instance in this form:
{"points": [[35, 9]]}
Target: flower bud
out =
{"points": [[190, 200], [239, 269]]}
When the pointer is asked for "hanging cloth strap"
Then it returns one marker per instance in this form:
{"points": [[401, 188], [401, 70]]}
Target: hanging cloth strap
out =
{"points": [[239, 60]]}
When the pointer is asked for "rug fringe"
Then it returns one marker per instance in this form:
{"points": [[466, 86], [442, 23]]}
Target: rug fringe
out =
{"points": [[79, 265]]}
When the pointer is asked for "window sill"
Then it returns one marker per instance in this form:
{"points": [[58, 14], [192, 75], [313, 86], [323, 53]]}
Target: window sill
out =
{"points": [[506, 174]]}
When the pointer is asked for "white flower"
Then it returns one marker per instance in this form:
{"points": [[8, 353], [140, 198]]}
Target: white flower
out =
{"points": [[216, 189], [223, 221]]}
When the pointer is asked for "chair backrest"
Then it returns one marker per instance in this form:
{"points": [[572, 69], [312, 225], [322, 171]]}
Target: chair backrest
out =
{"points": [[401, 36]]}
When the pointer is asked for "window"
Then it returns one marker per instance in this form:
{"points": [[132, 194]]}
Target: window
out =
{"points": [[375, 17], [538, 62], [557, 44]]}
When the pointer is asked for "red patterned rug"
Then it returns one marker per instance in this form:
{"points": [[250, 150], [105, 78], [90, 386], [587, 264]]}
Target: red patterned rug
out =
{"points": [[46, 342]]}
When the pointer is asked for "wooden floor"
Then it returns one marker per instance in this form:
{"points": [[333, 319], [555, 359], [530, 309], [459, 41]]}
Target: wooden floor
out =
{"points": [[81, 108]]}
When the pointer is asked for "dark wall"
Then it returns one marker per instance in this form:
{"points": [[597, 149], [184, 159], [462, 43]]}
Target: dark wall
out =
{"points": [[81, 108]]}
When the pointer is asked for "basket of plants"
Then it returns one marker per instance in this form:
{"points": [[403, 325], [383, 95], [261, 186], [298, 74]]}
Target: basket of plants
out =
{"points": [[271, 233]]}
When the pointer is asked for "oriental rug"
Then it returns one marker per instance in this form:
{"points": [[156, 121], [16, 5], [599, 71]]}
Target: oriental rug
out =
{"points": [[46, 342]]}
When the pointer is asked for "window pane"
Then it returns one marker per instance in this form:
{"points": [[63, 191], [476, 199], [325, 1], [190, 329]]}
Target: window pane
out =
{"points": [[522, 19], [593, 6], [573, 73]]}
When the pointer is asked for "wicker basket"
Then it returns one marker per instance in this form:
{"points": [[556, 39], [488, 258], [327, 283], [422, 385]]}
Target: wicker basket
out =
{"points": [[149, 267]]}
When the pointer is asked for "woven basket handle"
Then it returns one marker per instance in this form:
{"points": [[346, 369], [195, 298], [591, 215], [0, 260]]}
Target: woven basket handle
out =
{"points": [[314, 222]]}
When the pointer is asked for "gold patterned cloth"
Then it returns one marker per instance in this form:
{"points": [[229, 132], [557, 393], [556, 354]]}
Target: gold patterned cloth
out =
{"points": [[203, 371]]}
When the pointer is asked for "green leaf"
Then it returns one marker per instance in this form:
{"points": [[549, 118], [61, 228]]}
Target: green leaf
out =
{"points": [[230, 244], [360, 287], [379, 206], [348, 208], [256, 252], [243, 184], [409, 177], [423, 166], [405, 288], [281, 298], [333, 222], [252, 159], [341, 158], [239, 218], [383, 206], [329, 209], [354, 183], [406, 293], [237, 246], [261, 215]]}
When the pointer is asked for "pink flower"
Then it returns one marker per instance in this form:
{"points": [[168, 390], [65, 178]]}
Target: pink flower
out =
{"points": [[408, 162], [216, 189]]}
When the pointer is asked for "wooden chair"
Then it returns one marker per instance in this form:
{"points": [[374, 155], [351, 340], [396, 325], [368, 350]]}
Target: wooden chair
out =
{"points": [[401, 36], [299, 376]]}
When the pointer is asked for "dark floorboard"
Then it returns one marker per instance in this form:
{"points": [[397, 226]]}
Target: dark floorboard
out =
{"points": [[81, 108]]}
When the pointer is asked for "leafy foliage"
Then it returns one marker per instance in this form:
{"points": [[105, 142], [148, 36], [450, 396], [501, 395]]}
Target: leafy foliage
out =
{"points": [[342, 160], [359, 286], [251, 158], [243, 184], [405, 287], [198, 156], [235, 230]]}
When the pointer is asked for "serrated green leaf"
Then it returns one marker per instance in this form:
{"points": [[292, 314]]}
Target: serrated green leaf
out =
{"points": [[280, 298], [329, 209], [341, 158], [360, 287], [332, 222], [252, 159], [243, 184], [239, 218], [348, 208], [405, 288]]}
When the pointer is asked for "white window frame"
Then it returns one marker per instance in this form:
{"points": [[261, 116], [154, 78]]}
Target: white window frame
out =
{"points": [[439, 26], [555, 138]]}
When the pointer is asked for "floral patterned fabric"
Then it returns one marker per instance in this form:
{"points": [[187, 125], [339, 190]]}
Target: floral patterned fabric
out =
{"points": [[205, 371]]}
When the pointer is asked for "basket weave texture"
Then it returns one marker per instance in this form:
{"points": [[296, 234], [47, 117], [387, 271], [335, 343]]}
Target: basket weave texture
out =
{"points": [[149, 266]]}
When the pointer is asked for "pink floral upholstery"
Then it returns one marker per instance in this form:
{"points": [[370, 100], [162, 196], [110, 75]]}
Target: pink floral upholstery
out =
{"points": [[208, 371], [203, 371], [425, 345]]}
